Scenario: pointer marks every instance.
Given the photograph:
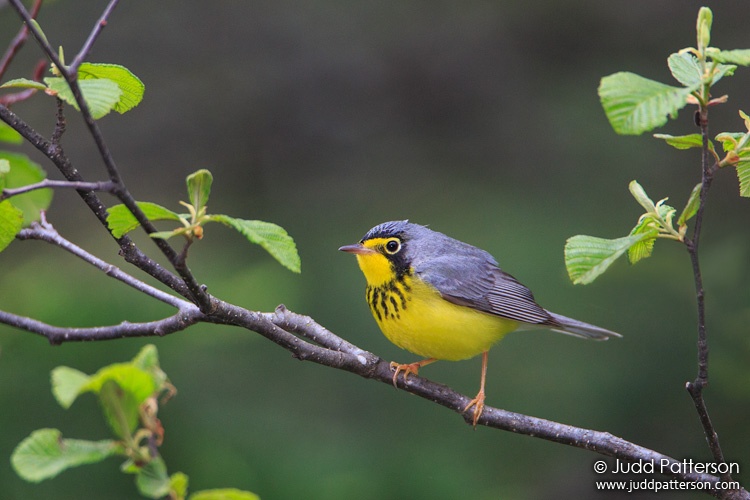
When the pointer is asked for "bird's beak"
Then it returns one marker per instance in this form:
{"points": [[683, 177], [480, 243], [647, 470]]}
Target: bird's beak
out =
{"points": [[357, 249]]}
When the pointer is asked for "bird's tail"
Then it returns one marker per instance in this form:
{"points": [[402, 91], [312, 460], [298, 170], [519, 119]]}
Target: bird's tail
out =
{"points": [[580, 329]]}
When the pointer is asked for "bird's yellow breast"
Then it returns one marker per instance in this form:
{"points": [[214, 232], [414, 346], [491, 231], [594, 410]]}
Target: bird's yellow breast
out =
{"points": [[413, 315]]}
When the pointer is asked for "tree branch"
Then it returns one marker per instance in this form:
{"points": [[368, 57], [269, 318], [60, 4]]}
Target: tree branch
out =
{"points": [[47, 183], [695, 388]]}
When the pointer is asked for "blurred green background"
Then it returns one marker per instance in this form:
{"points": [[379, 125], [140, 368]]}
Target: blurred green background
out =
{"points": [[478, 118]]}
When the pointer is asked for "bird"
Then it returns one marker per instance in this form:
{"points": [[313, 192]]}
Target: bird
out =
{"points": [[443, 299]]}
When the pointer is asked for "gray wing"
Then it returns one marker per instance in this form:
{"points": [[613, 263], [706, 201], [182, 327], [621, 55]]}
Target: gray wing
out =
{"points": [[476, 281]]}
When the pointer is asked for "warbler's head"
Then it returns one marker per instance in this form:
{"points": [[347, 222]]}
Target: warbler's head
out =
{"points": [[384, 253]]}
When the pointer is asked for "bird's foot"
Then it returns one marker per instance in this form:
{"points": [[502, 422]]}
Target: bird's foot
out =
{"points": [[408, 369], [478, 404]]}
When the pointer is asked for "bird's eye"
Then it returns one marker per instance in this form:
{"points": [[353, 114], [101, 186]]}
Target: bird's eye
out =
{"points": [[392, 246]]}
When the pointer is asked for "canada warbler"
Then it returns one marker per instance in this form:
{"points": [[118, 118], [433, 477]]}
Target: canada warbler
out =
{"points": [[441, 298]]}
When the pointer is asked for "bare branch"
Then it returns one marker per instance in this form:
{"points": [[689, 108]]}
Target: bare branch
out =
{"points": [[47, 183], [18, 41], [87, 46], [57, 335]]}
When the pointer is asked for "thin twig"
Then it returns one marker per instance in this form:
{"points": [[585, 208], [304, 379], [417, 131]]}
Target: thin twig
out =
{"points": [[18, 41], [87, 46], [47, 183]]}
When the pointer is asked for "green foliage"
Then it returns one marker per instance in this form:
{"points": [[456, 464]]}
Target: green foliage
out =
{"points": [[22, 172], [105, 87], [633, 105], [128, 394], [45, 454], [274, 239], [11, 221], [8, 134]]}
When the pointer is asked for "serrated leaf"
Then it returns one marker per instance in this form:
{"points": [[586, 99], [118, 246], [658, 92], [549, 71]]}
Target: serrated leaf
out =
{"points": [[740, 57], [648, 227], [685, 69], [121, 221], [587, 257], [634, 104], [691, 207], [152, 479], [684, 141], [199, 188], [9, 135], [44, 454], [743, 175], [274, 239], [641, 197], [23, 83], [131, 86], [23, 172], [67, 384], [223, 494], [101, 95], [11, 222]]}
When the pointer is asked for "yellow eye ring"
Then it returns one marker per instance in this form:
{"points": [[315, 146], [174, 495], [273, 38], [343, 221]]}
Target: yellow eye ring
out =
{"points": [[392, 246]]}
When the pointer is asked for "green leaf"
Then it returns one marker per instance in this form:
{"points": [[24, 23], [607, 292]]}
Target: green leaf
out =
{"points": [[666, 212], [9, 135], [740, 57], [684, 141], [587, 257], [199, 187], [147, 359], [11, 222], [729, 140], [178, 483], [131, 86], [121, 221], [634, 104], [23, 172], [67, 384], [44, 454], [223, 494], [691, 207], [165, 235], [23, 83], [120, 407], [721, 71], [641, 197], [152, 480], [101, 95], [685, 69], [743, 175], [130, 378], [271, 237], [648, 227]]}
